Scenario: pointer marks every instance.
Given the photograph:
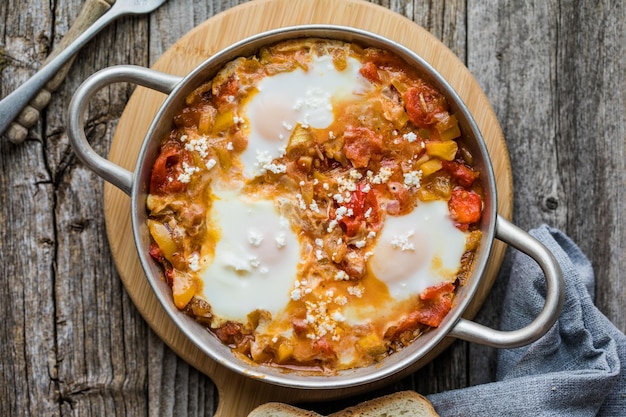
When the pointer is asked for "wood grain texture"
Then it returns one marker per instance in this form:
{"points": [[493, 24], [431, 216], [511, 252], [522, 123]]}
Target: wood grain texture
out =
{"points": [[73, 342]]}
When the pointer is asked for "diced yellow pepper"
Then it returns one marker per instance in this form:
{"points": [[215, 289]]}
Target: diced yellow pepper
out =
{"points": [[444, 150], [372, 344], [285, 351], [449, 130], [223, 121], [431, 166], [163, 238], [452, 133], [425, 194], [183, 289]]}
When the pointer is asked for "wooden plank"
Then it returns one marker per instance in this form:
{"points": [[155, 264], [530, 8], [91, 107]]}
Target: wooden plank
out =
{"points": [[73, 343], [27, 236]]}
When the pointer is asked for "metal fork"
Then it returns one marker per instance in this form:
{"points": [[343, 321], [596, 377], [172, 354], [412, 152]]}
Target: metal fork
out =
{"points": [[13, 104]]}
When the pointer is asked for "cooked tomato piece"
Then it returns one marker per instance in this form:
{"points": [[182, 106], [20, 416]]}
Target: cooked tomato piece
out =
{"points": [[423, 104], [437, 302], [167, 168], [435, 291], [465, 206], [464, 175], [226, 90], [360, 145], [370, 72], [364, 207]]}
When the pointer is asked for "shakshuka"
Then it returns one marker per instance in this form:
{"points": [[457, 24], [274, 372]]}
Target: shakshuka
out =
{"points": [[315, 206]]}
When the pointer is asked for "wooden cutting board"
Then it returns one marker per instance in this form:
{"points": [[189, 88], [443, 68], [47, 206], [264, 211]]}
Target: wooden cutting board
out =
{"points": [[237, 394]]}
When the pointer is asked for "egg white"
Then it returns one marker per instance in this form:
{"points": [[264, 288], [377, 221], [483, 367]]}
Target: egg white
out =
{"points": [[418, 250], [256, 258], [297, 97]]}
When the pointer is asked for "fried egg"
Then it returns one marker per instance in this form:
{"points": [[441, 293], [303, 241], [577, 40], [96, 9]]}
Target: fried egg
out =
{"points": [[287, 99], [418, 250], [255, 260]]}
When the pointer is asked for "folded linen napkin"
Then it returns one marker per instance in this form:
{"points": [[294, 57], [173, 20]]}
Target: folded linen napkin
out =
{"points": [[576, 369]]}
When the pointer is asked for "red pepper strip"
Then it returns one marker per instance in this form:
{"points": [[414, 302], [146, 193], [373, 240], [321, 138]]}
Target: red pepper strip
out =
{"points": [[437, 302], [166, 168]]}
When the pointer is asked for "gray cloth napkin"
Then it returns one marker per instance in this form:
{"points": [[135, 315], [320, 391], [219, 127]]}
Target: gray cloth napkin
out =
{"points": [[576, 369]]}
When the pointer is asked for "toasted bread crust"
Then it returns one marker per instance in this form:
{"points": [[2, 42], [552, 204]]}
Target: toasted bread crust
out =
{"points": [[403, 403], [274, 409]]}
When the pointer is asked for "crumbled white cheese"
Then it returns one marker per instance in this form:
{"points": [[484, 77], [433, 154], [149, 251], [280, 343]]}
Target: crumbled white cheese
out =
{"points": [[254, 238], [188, 171], [337, 316], [296, 294], [301, 202], [210, 163], [200, 145], [360, 243], [383, 176], [229, 146], [355, 175], [357, 291], [264, 163], [319, 242], [402, 242], [410, 137], [341, 300], [412, 179], [341, 212], [280, 240], [341, 276], [194, 262], [254, 262], [368, 213]]}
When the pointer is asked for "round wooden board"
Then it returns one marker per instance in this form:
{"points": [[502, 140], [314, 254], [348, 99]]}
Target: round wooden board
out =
{"points": [[237, 394]]}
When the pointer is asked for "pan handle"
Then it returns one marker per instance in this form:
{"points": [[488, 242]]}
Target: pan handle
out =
{"points": [[116, 175], [516, 237]]}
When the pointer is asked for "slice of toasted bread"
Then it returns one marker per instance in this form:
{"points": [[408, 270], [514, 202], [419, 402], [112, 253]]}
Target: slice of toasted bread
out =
{"points": [[404, 403], [274, 409]]}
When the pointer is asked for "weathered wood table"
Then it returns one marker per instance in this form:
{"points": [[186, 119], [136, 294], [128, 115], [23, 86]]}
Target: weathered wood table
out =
{"points": [[73, 343]]}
